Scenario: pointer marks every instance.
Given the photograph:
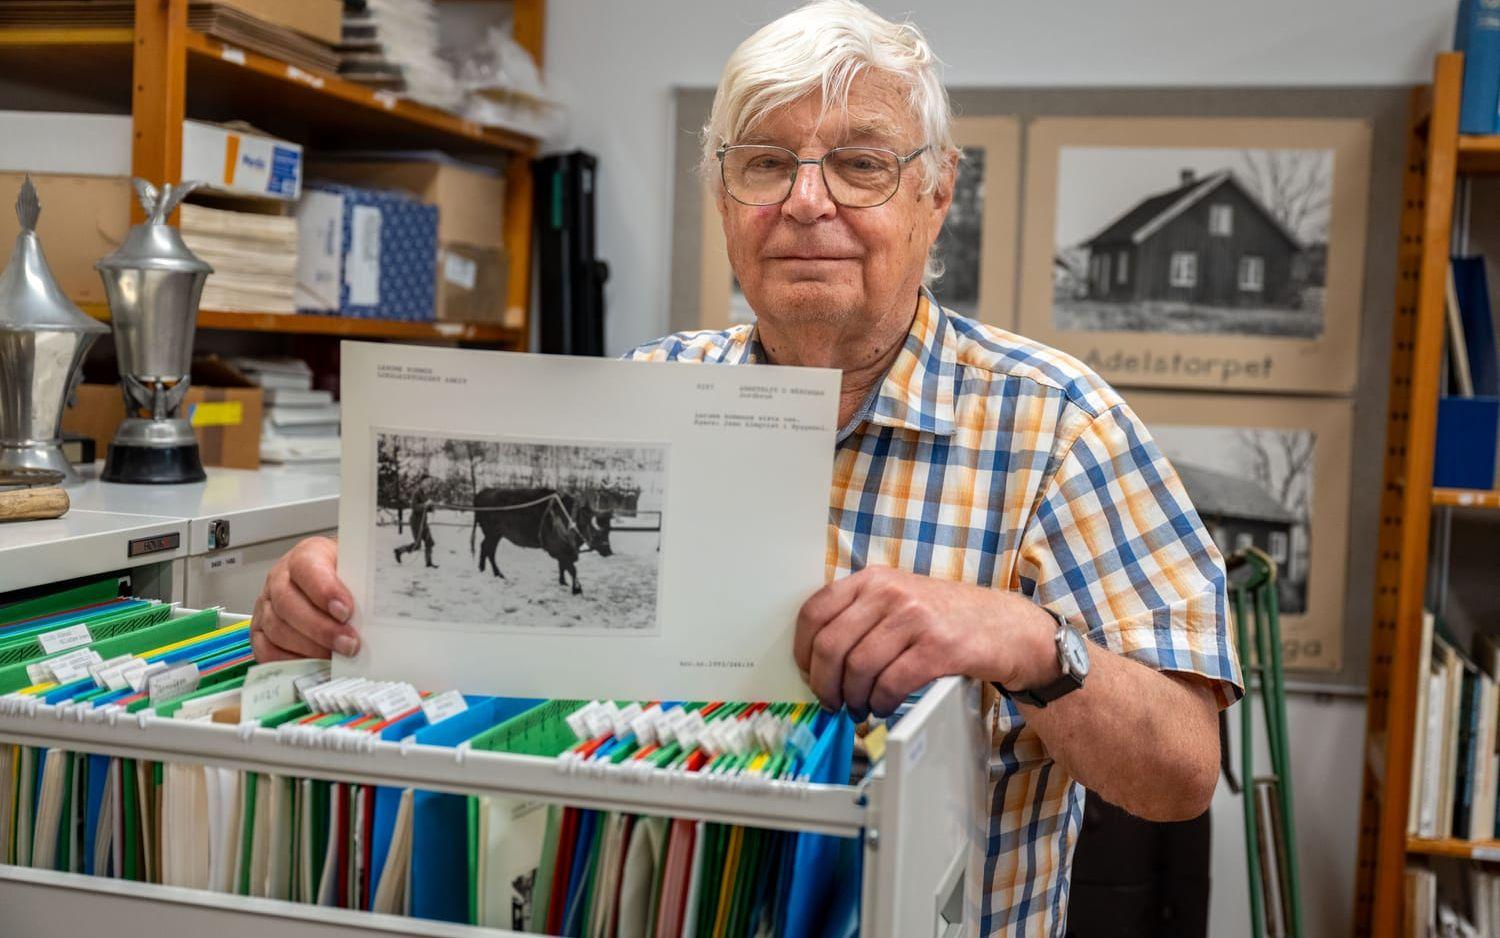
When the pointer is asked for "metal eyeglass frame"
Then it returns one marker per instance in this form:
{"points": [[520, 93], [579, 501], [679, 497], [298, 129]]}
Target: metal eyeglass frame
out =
{"points": [[901, 163]]}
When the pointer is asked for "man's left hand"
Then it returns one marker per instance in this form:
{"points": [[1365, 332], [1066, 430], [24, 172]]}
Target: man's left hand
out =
{"points": [[870, 639]]}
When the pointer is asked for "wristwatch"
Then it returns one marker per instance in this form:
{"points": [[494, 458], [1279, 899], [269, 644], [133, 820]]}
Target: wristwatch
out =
{"points": [[1072, 660]]}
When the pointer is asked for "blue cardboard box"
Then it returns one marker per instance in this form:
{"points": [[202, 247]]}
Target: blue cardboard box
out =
{"points": [[366, 253], [1468, 431]]}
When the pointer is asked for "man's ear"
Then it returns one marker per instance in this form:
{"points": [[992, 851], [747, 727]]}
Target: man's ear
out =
{"points": [[942, 193]]}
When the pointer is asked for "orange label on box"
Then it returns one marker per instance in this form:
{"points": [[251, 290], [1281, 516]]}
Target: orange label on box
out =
{"points": [[217, 414]]}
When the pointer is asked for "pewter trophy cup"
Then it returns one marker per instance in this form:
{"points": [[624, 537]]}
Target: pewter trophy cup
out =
{"points": [[43, 338], [154, 282]]}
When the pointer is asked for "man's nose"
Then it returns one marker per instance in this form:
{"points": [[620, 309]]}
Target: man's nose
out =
{"points": [[810, 199]]}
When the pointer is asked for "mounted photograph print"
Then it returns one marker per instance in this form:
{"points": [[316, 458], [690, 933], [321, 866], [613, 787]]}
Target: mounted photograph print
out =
{"points": [[977, 246], [1217, 253], [1271, 473], [532, 525]]}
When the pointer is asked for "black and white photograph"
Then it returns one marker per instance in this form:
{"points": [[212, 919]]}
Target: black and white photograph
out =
{"points": [[1253, 487], [960, 245], [517, 534], [1272, 473], [1192, 240], [1198, 252]]}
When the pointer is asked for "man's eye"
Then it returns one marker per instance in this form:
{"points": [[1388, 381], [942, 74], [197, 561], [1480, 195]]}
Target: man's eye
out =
{"points": [[767, 163]]}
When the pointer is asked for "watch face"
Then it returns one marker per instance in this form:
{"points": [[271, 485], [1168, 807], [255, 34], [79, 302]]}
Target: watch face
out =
{"points": [[1075, 648]]}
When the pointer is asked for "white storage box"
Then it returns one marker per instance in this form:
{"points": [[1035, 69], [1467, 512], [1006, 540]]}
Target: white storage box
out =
{"points": [[229, 160]]}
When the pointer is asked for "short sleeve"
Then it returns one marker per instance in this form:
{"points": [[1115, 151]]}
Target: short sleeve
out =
{"points": [[1116, 544]]}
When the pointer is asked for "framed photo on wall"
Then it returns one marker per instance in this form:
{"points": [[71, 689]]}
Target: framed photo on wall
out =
{"points": [[1259, 470], [977, 245], [1217, 253]]}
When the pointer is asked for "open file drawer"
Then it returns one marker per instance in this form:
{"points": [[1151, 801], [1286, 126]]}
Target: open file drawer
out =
{"points": [[915, 812]]}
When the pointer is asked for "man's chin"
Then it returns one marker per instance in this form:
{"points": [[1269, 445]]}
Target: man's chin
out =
{"points": [[808, 300]]}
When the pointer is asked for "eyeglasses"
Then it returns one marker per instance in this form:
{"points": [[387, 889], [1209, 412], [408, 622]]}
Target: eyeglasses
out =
{"points": [[856, 177]]}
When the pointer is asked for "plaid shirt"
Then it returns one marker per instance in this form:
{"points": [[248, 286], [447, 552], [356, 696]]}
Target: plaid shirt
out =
{"points": [[986, 458]]}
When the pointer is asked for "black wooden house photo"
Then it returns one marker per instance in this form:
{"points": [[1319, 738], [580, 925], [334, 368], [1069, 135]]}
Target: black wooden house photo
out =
{"points": [[1213, 249]]}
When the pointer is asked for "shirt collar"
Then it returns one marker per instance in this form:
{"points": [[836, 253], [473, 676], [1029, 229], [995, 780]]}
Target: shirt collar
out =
{"points": [[917, 392]]}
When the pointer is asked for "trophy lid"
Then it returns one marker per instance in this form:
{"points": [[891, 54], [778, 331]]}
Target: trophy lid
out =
{"points": [[30, 300], [153, 244]]}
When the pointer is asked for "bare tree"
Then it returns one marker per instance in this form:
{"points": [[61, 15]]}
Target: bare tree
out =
{"points": [[1281, 462], [1296, 186]]}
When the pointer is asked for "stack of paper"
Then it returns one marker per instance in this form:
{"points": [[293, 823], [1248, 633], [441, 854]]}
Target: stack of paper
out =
{"points": [[254, 258], [222, 22], [300, 425], [394, 44], [275, 372]]}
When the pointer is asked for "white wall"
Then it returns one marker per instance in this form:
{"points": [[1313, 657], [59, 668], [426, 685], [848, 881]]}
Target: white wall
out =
{"points": [[615, 64]]}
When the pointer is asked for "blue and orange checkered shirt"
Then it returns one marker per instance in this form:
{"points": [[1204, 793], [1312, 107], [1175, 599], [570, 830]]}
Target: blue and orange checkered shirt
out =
{"points": [[983, 457]]}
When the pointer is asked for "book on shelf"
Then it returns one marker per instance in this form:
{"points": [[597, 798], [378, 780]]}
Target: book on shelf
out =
{"points": [[1455, 766], [1477, 318], [1477, 36]]}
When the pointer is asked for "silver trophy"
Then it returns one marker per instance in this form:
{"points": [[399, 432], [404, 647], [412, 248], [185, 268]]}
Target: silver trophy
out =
{"points": [[43, 338], [154, 282]]}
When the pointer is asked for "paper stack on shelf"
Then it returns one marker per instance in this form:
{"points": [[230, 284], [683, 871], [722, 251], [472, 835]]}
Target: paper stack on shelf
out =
{"points": [[394, 44], [503, 87], [254, 258], [225, 21], [300, 425]]}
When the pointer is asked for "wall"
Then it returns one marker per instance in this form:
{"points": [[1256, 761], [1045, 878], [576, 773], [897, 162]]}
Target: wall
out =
{"points": [[617, 64]]}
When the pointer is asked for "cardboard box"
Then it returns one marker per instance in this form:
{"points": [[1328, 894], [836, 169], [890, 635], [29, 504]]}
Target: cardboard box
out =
{"points": [[226, 420], [83, 219], [235, 161], [366, 253], [470, 199], [472, 284], [322, 20], [241, 162]]}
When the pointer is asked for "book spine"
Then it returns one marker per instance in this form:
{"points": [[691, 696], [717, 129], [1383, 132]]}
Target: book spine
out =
{"points": [[1463, 801], [1479, 28]]}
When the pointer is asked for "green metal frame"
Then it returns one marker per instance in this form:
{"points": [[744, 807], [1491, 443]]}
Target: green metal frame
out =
{"points": [[1258, 634]]}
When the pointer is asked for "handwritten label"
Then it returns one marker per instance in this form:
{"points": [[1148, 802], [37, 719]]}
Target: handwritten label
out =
{"points": [[394, 700], [64, 669], [304, 684], [135, 673], [202, 708], [222, 562], [98, 671], [172, 683], [231, 54], [296, 74], [63, 639], [273, 686], [443, 706]]}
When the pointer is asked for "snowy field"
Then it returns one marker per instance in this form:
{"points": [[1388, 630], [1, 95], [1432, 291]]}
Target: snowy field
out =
{"points": [[619, 591]]}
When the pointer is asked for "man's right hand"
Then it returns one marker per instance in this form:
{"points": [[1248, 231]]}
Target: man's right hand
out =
{"points": [[304, 609]]}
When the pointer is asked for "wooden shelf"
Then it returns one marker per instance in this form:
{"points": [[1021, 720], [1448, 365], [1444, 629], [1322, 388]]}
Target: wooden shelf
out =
{"points": [[227, 83], [362, 328], [1484, 850], [1467, 498], [349, 328], [1479, 154], [326, 108]]}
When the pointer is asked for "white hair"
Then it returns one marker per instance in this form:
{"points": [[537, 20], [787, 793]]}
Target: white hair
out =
{"points": [[822, 47]]}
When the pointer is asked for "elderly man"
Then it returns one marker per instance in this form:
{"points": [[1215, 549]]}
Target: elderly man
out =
{"points": [[997, 511]]}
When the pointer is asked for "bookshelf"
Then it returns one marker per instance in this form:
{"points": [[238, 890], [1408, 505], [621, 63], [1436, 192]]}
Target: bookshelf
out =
{"points": [[1488, 499], [1437, 157], [165, 71]]}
